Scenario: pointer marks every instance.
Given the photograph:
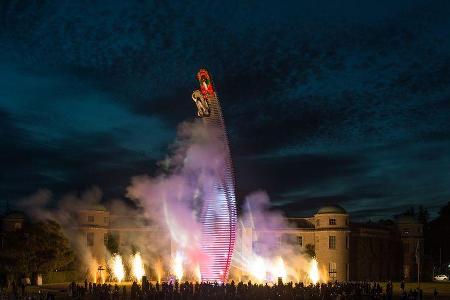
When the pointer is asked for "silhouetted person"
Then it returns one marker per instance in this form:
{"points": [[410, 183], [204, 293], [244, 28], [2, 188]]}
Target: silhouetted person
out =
{"points": [[124, 292], [389, 290], [22, 287], [134, 290], [14, 289]]}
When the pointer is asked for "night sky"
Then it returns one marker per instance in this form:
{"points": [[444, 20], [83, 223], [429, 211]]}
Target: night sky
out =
{"points": [[344, 102]]}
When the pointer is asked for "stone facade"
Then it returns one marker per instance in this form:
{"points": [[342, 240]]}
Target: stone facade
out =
{"points": [[375, 252], [351, 251], [344, 250], [332, 236], [327, 232], [94, 225], [411, 233]]}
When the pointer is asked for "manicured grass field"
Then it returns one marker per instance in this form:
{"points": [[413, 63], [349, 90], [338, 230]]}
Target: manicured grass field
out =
{"points": [[443, 288]]}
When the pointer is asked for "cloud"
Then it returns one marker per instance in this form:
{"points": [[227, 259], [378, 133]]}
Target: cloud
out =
{"points": [[61, 132], [320, 100]]}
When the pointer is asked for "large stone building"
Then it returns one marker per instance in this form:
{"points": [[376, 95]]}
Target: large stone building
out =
{"points": [[349, 251], [345, 250], [327, 233]]}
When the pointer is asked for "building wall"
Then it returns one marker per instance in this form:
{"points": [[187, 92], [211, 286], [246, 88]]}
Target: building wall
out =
{"points": [[12, 222], [93, 218], [360, 252], [94, 226], [308, 237], [376, 254], [411, 234], [317, 232], [332, 244]]}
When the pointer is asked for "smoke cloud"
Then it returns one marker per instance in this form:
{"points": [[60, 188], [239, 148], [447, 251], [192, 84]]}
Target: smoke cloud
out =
{"points": [[170, 204], [173, 199]]}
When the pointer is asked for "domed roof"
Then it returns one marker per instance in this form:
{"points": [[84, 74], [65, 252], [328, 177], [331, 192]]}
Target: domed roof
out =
{"points": [[332, 209], [406, 219]]}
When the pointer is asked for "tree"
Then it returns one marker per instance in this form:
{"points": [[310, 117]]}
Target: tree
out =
{"points": [[423, 215], [49, 247], [36, 248], [410, 212]]}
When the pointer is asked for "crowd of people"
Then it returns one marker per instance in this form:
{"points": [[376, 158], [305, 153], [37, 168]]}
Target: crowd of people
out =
{"points": [[240, 291], [231, 291]]}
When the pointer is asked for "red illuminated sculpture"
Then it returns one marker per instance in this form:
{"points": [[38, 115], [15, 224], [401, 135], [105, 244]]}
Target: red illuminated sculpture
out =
{"points": [[218, 216]]}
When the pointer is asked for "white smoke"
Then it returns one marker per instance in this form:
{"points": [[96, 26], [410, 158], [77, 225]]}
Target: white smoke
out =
{"points": [[171, 203]]}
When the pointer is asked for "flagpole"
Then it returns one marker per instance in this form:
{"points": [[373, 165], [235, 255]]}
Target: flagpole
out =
{"points": [[418, 263], [418, 274]]}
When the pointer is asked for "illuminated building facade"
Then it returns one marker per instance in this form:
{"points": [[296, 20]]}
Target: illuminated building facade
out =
{"points": [[344, 250], [94, 224], [327, 233], [218, 215]]}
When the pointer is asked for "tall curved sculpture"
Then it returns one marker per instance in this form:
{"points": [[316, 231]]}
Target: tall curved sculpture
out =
{"points": [[218, 215]]}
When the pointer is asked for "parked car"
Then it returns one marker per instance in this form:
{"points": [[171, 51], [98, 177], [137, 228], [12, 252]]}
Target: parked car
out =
{"points": [[441, 277]]}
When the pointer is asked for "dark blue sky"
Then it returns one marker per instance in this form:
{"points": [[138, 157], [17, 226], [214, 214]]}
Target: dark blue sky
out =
{"points": [[326, 101]]}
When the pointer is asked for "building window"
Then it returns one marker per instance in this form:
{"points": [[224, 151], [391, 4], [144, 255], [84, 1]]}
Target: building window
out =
{"points": [[318, 223], [90, 239], [332, 242], [346, 221], [105, 219], [281, 238], [300, 241], [91, 219], [105, 238], [347, 242], [332, 221], [17, 226], [332, 270], [405, 231]]}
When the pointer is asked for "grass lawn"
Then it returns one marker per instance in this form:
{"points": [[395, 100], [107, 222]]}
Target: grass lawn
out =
{"points": [[56, 288], [443, 288]]}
